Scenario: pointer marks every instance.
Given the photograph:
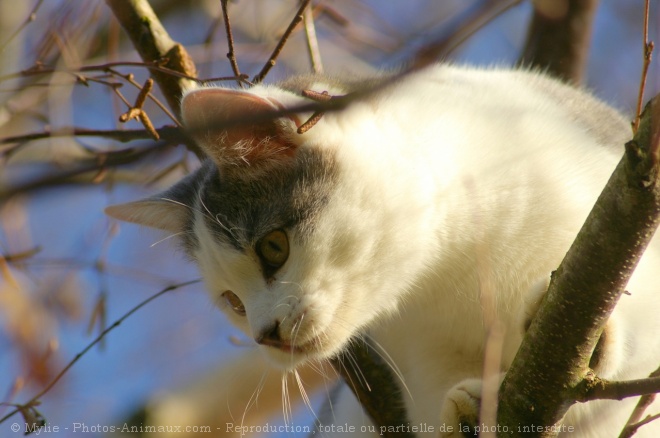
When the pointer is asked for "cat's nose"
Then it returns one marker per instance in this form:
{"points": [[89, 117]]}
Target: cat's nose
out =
{"points": [[270, 336]]}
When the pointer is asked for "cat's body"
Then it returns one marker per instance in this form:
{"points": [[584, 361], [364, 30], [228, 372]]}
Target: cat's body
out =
{"points": [[438, 195]]}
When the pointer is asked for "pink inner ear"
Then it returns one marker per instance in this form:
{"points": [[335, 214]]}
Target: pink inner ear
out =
{"points": [[205, 111], [218, 105]]}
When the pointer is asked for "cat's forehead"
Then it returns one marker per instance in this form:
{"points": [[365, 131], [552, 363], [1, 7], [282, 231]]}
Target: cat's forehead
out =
{"points": [[240, 211]]}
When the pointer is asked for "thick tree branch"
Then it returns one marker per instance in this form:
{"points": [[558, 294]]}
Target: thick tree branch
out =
{"points": [[558, 37], [374, 385], [586, 287], [154, 44]]}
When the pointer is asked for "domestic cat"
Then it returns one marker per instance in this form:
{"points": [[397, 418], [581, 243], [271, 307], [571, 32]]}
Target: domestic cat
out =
{"points": [[393, 219]]}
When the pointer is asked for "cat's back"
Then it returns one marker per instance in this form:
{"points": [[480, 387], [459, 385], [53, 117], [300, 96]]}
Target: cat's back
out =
{"points": [[511, 94]]}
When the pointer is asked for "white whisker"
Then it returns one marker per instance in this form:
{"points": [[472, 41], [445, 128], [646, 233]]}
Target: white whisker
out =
{"points": [[389, 361], [168, 237], [181, 204], [350, 380], [286, 401], [324, 374], [253, 398], [303, 393], [360, 375]]}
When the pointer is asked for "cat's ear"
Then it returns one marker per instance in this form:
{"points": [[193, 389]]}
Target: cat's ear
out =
{"points": [[151, 212], [237, 128], [170, 210]]}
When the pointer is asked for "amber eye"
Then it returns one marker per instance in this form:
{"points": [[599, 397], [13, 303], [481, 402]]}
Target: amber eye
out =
{"points": [[273, 248], [234, 302]]}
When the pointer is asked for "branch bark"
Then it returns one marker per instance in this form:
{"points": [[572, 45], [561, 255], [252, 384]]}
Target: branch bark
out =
{"points": [[585, 288], [606, 390], [154, 44], [558, 37], [373, 384]]}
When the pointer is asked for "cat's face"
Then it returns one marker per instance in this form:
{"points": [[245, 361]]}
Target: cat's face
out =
{"points": [[293, 243]]}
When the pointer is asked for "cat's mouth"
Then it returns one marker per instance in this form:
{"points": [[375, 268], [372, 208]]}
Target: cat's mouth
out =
{"points": [[286, 347]]}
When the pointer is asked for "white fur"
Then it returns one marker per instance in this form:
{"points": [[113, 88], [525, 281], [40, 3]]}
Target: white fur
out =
{"points": [[457, 188]]}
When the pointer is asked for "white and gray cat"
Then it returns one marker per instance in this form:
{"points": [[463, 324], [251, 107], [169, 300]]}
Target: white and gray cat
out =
{"points": [[383, 221]]}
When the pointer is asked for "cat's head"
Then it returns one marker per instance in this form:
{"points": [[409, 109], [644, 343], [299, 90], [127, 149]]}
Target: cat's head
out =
{"points": [[290, 231]]}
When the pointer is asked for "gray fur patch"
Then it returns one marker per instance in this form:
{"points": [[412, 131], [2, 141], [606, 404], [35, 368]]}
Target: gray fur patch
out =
{"points": [[184, 193], [241, 210]]}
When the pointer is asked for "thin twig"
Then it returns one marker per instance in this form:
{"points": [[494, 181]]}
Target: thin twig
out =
{"points": [[35, 400], [40, 69], [280, 45], [459, 31], [154, 99], [610, 390], [243, 78], [22, 255], [230, 43], [136, 111], [96, 164], [166, 132], [316, 116], [312, 41], [631, 429], [647, 48], [30, 18], [636, 415]]}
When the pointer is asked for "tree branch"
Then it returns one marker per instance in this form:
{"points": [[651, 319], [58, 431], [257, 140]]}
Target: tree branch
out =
{"points": [[34, 401], [644, 402], [459, 30], [373, 384], [586, 287], [631, 429], [169, 134], [599, 389], [280, 45], [98, 164], [154, 44], [647, 52], [230, 43], [558, 37]]}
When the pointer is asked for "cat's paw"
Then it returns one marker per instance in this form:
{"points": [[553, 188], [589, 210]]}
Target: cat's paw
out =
{"points": [[608, 356], [460, 412], [609, 353]]}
